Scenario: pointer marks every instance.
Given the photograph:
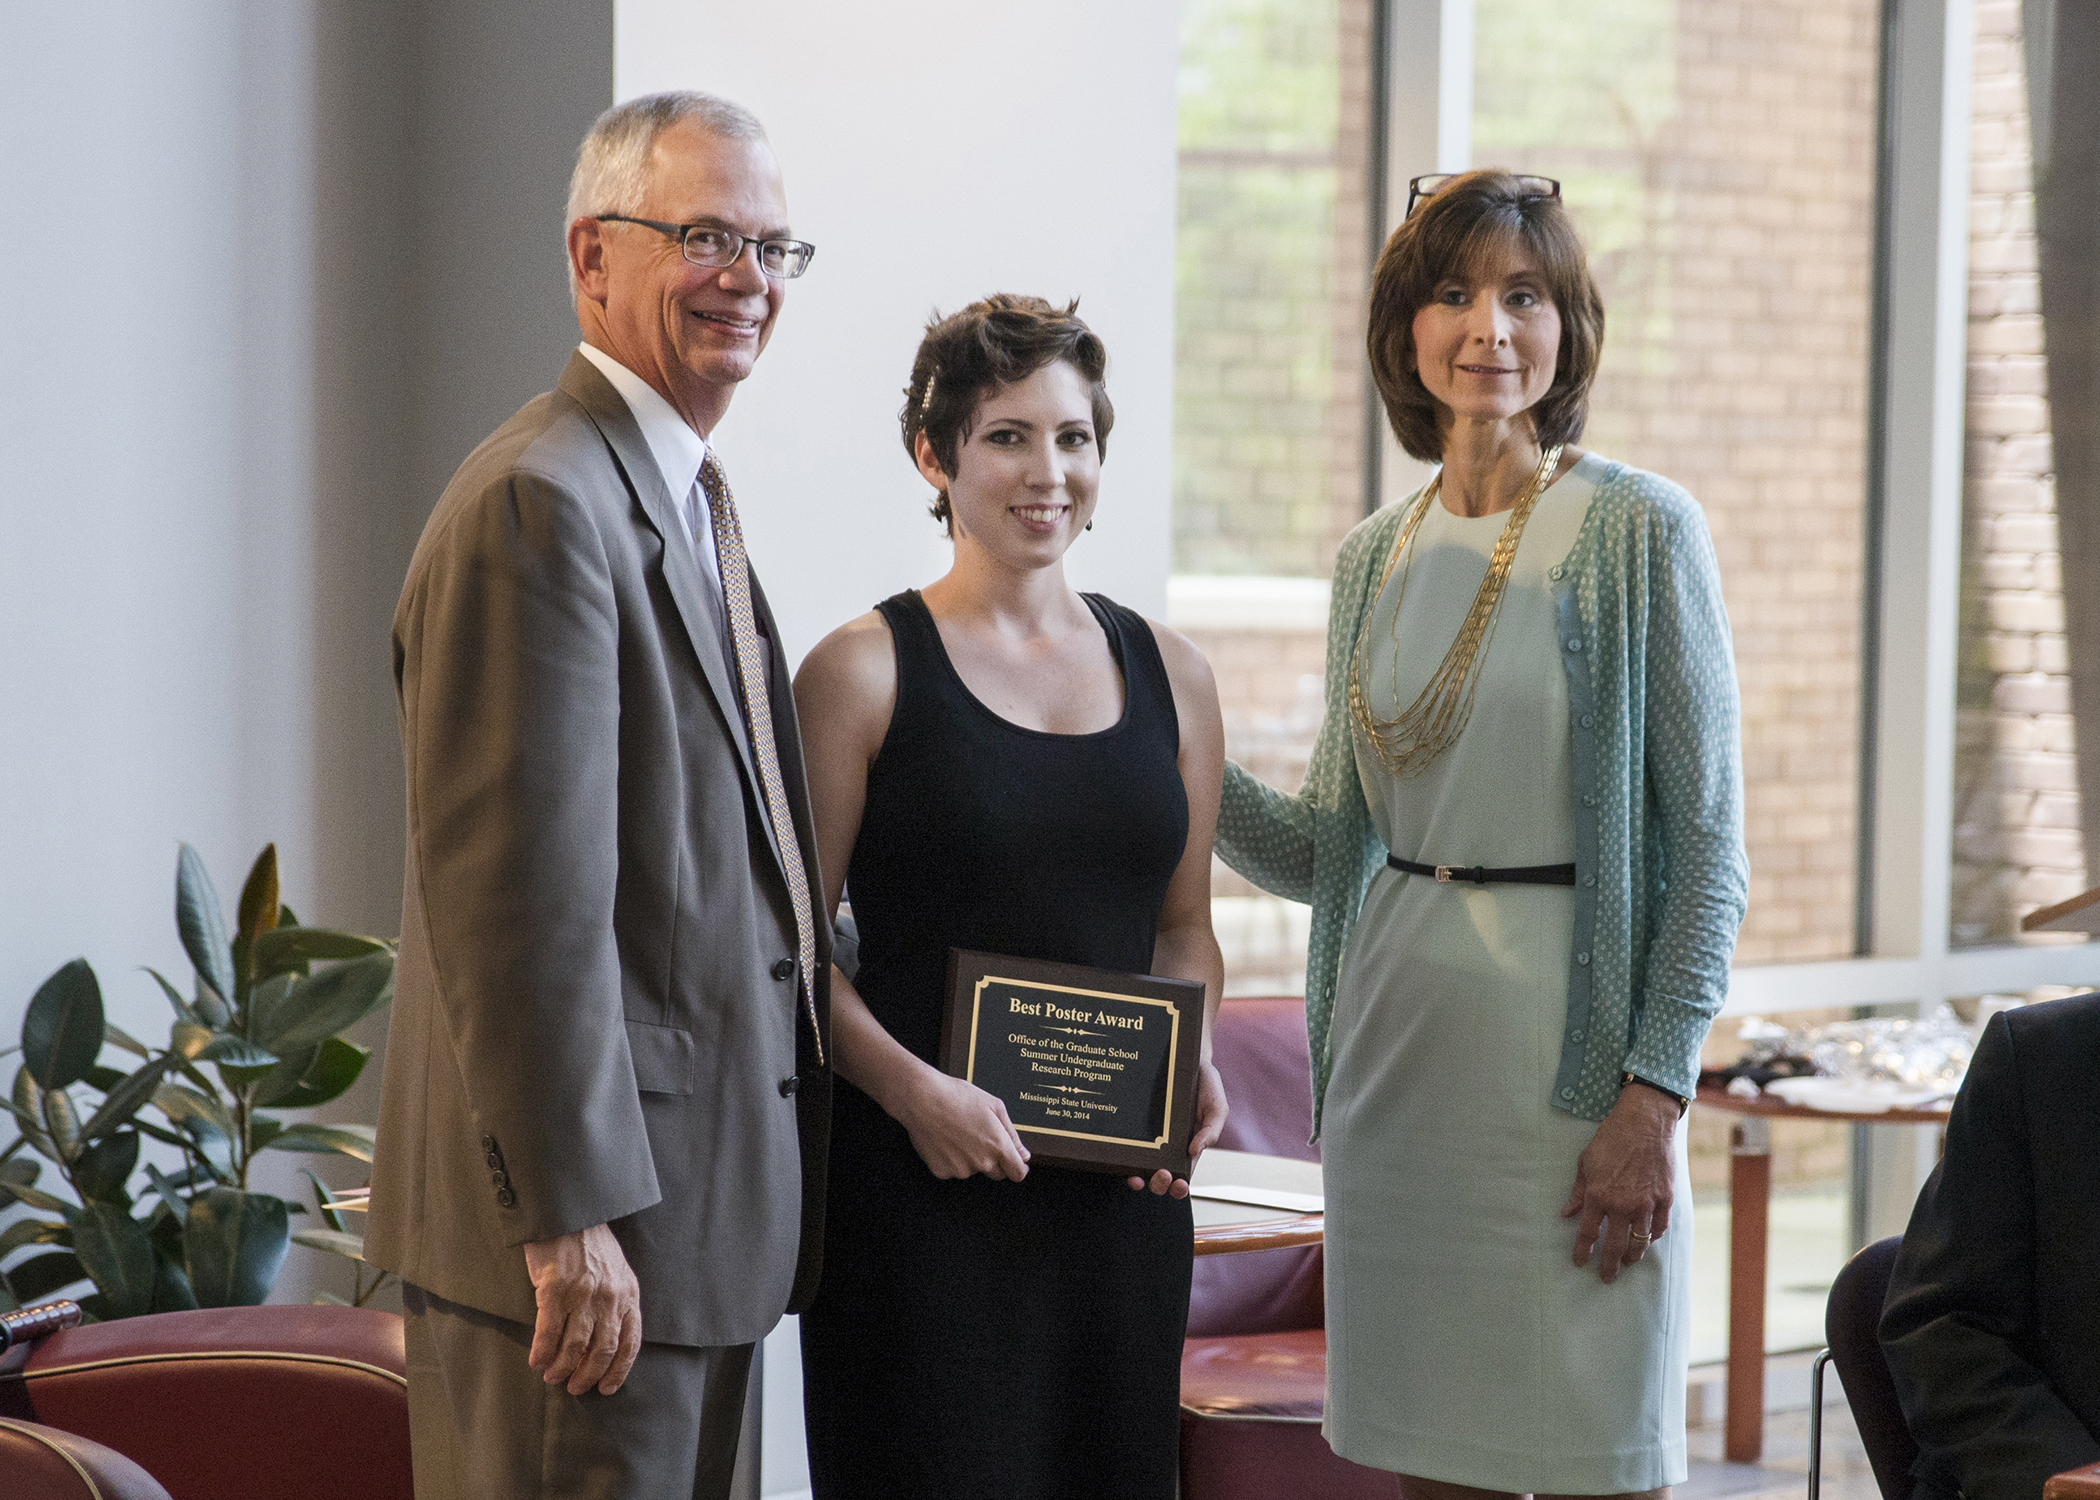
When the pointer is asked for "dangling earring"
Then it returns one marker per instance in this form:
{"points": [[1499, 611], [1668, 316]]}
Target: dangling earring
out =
{"points": [[1090, 526]]}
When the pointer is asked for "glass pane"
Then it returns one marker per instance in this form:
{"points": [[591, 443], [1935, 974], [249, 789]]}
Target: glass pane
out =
{"points": [[2018, 839], [1719, 158], [1272, 266]]}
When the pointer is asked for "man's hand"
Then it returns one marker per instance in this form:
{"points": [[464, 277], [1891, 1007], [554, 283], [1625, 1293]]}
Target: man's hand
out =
{"points": [[589, 1328]]}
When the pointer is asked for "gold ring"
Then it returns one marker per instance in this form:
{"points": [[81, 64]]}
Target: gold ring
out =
{"points": [[1636, 1234]]}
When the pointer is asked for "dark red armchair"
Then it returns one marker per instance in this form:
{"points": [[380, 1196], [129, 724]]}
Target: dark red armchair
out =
{"points": [[1254, 1368], [214, 1405]]}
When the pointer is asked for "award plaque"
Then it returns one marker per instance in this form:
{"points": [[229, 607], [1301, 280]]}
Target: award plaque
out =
{"points": [[1096, 1069]]}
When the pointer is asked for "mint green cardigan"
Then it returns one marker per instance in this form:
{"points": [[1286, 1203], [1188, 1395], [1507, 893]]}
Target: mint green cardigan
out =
{"points": [[1661, 877]]}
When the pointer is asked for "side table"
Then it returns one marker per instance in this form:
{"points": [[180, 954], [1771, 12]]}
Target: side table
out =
{"points": [[1749, 1222]]}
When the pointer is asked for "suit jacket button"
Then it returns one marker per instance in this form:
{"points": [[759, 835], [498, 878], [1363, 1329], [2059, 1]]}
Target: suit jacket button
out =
{"points": [[488, 1143], [505, 1197], [784, 968], [500, 1178], [495, 1161], [789, 1084]]}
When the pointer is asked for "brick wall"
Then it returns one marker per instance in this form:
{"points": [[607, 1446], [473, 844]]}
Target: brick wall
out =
{"points": [[2017, 844], [1272, 260]]}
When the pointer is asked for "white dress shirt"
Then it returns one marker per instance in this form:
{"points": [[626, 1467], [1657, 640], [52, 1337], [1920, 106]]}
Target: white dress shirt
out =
{"points": [[679, 452]]}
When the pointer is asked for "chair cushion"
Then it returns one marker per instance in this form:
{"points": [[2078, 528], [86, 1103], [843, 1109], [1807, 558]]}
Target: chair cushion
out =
{"points": [[1260, 1049], [1851, 1325], [237, 1401], [1250, 1422], [43, 1463], [1257, 1291]]}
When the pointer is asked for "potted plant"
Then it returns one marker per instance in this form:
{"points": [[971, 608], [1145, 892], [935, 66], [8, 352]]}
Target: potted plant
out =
{"points": [[259, 1033]]}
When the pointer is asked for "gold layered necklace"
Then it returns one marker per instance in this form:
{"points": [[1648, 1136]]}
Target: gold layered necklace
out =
{"points": [[1406, 743]]}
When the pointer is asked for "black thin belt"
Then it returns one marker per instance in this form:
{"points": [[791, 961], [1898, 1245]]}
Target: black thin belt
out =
{"points": [[1484, 875]]}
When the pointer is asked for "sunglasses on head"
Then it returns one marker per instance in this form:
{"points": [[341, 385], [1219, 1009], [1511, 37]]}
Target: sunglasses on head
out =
{"points": [[1431, 183]]}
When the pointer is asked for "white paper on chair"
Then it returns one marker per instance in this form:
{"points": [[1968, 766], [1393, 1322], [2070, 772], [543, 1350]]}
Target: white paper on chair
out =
{"points": [[1255, 1197]]}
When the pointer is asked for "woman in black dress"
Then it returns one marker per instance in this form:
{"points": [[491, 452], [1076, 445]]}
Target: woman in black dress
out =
{"points": [[1002, 764]]}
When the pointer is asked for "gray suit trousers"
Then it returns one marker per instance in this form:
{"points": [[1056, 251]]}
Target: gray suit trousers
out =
{"points": [[484, 1426]]}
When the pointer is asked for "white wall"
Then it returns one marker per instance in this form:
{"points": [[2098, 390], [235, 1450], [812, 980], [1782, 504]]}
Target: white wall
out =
{"points": [[276, 265], [936, 151]]}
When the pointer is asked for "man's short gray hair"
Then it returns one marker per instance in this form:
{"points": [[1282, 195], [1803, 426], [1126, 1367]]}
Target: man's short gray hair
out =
{"points": [[612, 166]]}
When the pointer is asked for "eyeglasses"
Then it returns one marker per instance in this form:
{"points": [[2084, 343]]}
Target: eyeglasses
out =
{"points": [[1432, 183], [713, 246]]}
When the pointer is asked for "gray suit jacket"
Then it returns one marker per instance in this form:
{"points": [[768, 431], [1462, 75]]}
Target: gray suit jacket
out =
{"points": [[596, 1016]]}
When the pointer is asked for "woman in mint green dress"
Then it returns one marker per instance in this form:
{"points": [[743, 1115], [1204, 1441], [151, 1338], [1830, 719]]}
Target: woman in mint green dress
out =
{"points": [[1529, 685]]}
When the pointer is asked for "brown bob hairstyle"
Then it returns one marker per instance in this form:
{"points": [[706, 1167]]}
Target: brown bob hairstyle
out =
{"points": [[1464, 224], [1000, 340]]}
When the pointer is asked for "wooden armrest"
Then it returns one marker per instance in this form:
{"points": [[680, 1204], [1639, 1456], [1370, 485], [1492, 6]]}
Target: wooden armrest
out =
{"points": [[2074, 1484]]}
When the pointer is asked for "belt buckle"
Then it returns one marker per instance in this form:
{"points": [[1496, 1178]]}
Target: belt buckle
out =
{"points": [[1443, 874]]}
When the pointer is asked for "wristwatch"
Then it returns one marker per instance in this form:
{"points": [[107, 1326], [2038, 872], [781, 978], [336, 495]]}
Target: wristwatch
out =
{"points": [[1683, 1103]]}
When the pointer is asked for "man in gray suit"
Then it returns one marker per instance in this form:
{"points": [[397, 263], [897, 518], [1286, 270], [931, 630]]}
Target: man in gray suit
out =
{"points": [[602, 1130]]}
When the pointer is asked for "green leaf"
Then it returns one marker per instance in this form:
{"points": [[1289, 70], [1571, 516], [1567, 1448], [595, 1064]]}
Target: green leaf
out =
{"points": [[171, 1285], [102, 1169], [63, 1123], [212, 1007], [262, 1130], [114, 1248], [324, 1200], [202, 922], [320, 1007], [37, 1198], [285, 917], [334, 1241], [257, 914], [188, 1039], [335, 1066], [35, 1279], [28, 1232], [27, 1108], [183, 1009], [234, 1243], [264, 999], [204, 1119], [117, 1036], [170, 1192], [126, 1099], [20, 1169], [291, 949], [230, 1051], [102, 1079], [349, 1140], [62, 1033]]}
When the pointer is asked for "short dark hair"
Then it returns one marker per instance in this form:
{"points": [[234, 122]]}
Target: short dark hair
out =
{"points": [[1468, 219], [1000, 340]]}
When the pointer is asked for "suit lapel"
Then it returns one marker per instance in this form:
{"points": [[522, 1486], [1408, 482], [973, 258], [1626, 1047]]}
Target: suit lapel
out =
{"points": [[608, 410]]}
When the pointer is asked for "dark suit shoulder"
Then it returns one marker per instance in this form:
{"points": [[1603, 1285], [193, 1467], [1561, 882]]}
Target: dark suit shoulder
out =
{"points": [[2072, 1025]]}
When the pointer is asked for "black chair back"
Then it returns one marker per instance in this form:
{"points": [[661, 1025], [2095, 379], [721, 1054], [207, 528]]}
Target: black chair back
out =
{"points": [[1850, 1323]]}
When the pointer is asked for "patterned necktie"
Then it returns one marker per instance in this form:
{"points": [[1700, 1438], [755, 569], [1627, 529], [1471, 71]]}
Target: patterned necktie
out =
{"points": [[758, 721]]}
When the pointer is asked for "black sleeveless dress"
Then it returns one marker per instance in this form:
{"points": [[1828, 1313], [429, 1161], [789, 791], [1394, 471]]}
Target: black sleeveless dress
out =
{"points": [[980, 1340]]}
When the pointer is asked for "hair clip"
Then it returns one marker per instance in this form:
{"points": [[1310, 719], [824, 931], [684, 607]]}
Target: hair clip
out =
{"points": [[926, 400]]}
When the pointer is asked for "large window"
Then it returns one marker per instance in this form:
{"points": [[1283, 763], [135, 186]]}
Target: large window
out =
{"points": [[2019, 819], [1273, 259], [1719, 156]]}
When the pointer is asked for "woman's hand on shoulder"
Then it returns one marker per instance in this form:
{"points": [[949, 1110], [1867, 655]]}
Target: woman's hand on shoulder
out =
{"points": [[959, 1130], [1625, 1180]]}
